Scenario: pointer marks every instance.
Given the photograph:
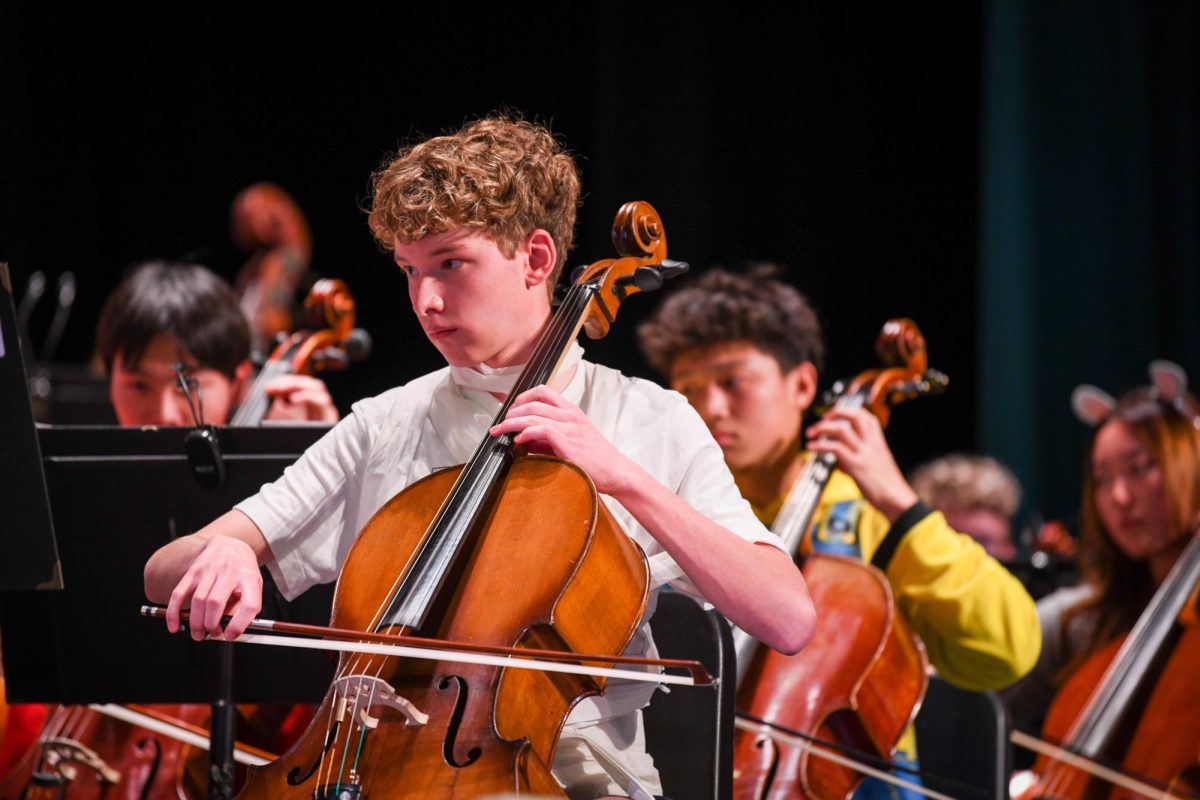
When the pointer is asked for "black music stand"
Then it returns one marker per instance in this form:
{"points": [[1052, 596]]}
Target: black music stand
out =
{"points": [[117, 495], [28, 554]]}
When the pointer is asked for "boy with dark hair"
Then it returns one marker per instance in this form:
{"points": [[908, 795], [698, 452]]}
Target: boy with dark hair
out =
{"points": [[166, 314], [745, 350], [480, 222]]}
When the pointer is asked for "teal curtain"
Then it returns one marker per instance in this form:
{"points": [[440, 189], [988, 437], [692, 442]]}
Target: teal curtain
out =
{"points": [[1089, 219]]}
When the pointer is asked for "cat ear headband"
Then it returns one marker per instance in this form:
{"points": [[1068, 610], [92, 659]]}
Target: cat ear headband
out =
{"points": [[1168, 384]]}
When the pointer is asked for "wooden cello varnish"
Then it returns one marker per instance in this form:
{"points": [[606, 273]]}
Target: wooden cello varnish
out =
{"points": [[873, 680]]}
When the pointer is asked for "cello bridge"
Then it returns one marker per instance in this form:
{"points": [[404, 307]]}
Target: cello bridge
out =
{"points": [[63, 756], [360, 695]]}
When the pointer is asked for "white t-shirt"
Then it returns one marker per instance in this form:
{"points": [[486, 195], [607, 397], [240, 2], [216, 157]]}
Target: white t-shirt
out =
{"points": [[313, 513]]}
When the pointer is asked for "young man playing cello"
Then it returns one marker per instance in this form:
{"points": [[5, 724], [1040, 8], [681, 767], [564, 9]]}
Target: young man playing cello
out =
{"points": [[480, 223], [745, 350], [163, 315]]}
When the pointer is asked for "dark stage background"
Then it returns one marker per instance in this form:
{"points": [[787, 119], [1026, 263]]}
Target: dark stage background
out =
{"points": [[854, 146]]}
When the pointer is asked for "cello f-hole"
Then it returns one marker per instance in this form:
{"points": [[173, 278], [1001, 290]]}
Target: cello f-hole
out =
{"points": [[150, 743], [455, 719], [767, 745]]}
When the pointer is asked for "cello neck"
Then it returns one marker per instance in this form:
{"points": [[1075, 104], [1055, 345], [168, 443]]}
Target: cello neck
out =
{"points": [[798, 509], [552, 347], [1134, 663], [253, 410]]}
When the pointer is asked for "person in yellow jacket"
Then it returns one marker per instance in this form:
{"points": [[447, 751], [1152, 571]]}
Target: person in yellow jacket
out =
{"points": [[745, 350]]}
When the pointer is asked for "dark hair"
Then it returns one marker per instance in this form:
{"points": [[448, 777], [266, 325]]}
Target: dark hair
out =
{"points": [[186, 301], [725, 306]]}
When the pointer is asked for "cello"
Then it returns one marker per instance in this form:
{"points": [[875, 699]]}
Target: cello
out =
{"points": [[266, 222], [463, 555], [860, 682], [330, 342], [1133, 702]]}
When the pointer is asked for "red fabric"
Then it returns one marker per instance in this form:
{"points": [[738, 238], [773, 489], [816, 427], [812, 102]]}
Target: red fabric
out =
{"points": [[293, 726], [25, 722]]}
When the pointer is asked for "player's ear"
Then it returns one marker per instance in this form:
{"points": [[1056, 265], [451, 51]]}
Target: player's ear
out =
{"points": [[541, 256], [241, 379], [802, 383]]}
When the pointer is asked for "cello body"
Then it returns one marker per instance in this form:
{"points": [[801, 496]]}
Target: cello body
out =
{"points": [[1162, 744], [549, 561], [1134, 704], [859, 683]]}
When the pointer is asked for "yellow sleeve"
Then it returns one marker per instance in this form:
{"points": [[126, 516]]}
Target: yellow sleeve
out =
{"points": [[978, 623]]}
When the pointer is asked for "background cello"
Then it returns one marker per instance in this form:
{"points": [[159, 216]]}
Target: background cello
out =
{"points": [[860, 681], [330, 342]]}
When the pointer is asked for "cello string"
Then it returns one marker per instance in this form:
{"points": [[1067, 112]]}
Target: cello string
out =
{"points": [[55, 725], [346, 752], [799, 505], [77, 723], [1147, 635], [559, 323], [256, 397], [332, 731], [1088, 735], [362, 735], [1065, 757]]}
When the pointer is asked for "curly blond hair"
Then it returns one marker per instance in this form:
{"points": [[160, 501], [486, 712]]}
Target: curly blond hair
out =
{"points": [[968, 482], [502, 175]]}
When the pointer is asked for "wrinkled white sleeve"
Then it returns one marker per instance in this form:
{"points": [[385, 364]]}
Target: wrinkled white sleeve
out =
{"points": [[707, 486], [665, 435], [308, 515]]}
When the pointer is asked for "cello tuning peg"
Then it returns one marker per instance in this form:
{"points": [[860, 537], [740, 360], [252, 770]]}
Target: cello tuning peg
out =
{"points": [[577, 273], [646, 279], [936, 380], [670, 268], [358, 344]]}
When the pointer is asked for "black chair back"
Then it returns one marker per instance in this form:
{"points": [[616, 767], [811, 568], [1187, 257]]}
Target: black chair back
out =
{"points": [[962, 741], [690, 731]]}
